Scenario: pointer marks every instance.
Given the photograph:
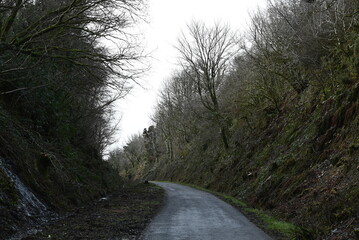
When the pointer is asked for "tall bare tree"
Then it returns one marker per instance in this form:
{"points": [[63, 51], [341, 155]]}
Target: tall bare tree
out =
{"points": [[205, 54]]}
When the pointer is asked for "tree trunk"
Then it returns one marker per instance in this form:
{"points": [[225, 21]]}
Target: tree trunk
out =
{"points": [[224, 138]]}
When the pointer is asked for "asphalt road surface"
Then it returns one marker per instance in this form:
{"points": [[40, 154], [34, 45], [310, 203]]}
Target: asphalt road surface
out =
{"points": [[192, 214]]}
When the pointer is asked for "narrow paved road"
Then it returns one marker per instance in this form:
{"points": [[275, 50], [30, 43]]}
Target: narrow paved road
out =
{"points": [[193, 214]]}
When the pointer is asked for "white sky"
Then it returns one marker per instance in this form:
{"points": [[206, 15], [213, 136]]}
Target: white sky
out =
{"points": [[166, 20]]}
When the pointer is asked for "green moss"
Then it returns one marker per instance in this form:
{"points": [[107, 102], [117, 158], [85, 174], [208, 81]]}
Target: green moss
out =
{"points": [[353, 194], [291, 132], [356, 232], [263, 155], [272, 223], [234, 200]]}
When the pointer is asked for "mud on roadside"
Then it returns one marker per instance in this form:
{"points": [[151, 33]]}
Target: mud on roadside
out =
{"points": [[124, 215]]}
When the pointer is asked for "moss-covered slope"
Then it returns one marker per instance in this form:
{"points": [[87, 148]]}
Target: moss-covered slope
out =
{"points": [[303, 164]]}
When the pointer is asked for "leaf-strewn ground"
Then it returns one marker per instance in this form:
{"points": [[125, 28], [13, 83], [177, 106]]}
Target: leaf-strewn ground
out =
{"points": [[122, 216]]}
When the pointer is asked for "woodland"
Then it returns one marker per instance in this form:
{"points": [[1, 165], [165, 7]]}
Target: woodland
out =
{"points": [[58, 81], [269, 117]]}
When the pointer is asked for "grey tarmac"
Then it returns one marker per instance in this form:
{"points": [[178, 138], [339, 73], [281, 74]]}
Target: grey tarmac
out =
{"points": [[192, 214]]}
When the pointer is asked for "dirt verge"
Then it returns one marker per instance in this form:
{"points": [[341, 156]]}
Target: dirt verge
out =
{"points": [[123, 215]]}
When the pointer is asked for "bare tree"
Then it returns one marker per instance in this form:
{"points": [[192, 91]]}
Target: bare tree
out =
{"points": [[291, 38], [135, 149], [174, 116], [79, 52], [205, 53], [58, 25]]}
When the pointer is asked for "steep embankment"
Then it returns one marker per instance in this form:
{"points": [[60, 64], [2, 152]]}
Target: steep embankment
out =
{"points": [[276, 126], [302, 164], [58, 80], [38, 177]]}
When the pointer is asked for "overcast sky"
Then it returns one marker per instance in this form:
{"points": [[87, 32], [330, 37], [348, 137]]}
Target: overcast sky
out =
{"points": [[166, 20]]}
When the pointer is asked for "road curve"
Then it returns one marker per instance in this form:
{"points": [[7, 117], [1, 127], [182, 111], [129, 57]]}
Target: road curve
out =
{"points": [[192, 214]]}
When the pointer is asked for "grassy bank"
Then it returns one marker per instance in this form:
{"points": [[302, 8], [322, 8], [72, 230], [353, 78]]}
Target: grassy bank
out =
{"points": [[302, 165]]}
